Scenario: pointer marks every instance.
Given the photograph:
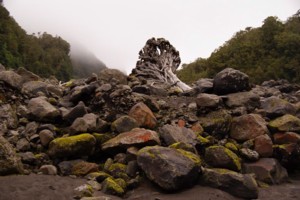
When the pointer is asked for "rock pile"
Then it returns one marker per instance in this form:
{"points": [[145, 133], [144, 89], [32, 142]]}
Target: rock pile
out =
{"points": [[117, 132]]}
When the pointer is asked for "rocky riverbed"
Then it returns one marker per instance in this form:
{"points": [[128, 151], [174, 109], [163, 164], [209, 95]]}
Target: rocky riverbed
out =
{"points": [[117, 136]]}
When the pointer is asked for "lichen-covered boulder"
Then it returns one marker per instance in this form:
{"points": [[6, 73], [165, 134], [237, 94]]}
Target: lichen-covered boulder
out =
{"points": [[247, 127], [230, 81], [171, 169], [285, 123], [222, 157], [111, 186], [267, 170], [239, 185], [173, 134], [124, 124], [288, 155], [10, 162], [216, 123], [276, 107], [72, 146], [138, 137], [41, 110], [143, 115]]}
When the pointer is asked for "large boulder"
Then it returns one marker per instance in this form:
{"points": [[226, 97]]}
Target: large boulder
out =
{"points": [[249, 100], [208, 101], [216, 123], [240, 185], [276, 107], [221, 157], [173, 134], [10, 162], [12, 79], [137, 137], [267, 170], [230, 81], [247, 127], [285, 123], [113, 75], [33, 88], [169, 168], [41, 110], [143, 115], [72, 146]]}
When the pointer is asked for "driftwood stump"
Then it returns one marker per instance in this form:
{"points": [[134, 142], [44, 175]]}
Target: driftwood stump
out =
{"points": [[158, 60]]}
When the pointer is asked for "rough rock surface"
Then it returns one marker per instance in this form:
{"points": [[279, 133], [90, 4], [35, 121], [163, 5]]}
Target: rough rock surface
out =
{"points": [[267, 170], [240, 185], [10, 162], [230, 80], [137, 137], [247, 127], [169, 168]]}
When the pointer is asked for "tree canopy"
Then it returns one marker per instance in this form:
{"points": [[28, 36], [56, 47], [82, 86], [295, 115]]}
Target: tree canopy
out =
{"points": [[43, 54], [271, 51]]}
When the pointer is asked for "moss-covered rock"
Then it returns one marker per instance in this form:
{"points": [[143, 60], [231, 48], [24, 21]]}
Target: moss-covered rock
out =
{"points": [[110, 186], [286, 123], [183, 146], [240, 185], [221, 157], [171, 169], [72, 146]]}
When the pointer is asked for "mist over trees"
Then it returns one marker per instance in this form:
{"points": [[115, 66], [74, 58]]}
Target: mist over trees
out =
{"points": [[42, 54], [271, 51]]}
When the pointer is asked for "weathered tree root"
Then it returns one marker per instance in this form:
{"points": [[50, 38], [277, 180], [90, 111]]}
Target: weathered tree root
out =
{"points": [[158, 60]]}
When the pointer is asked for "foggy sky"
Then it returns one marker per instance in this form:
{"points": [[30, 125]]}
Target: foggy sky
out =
{"points": [[115, 30]]}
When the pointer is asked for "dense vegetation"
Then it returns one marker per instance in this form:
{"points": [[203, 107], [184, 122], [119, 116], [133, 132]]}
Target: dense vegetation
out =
{"points": [[43, 54], [271, 51]]}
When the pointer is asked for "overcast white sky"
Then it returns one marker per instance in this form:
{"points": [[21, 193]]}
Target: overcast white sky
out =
{"points": [[115, 30]]}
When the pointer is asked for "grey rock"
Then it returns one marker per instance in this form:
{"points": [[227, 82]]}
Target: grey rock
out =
{"points": [[249, 100], [46, 136], [249, 154], [171, 169], [10, 162], [239, 185], [113, 76], [208, 101], [78, 111], [28, 158], [276, 107], [23, 145], [8, 116], [48, 170], [124, 124], [173, 134], [41, 110], [230, 81], [12, 79]]}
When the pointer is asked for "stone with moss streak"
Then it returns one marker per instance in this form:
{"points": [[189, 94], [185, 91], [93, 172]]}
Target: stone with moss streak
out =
{"points": [[169, 168], [219, 156], [240, 185], [286, 123], [110, 186], [73, 146]]}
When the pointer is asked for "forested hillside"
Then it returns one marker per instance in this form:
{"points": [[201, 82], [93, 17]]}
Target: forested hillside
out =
{"points": [[271, 51], [42, 54]]}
